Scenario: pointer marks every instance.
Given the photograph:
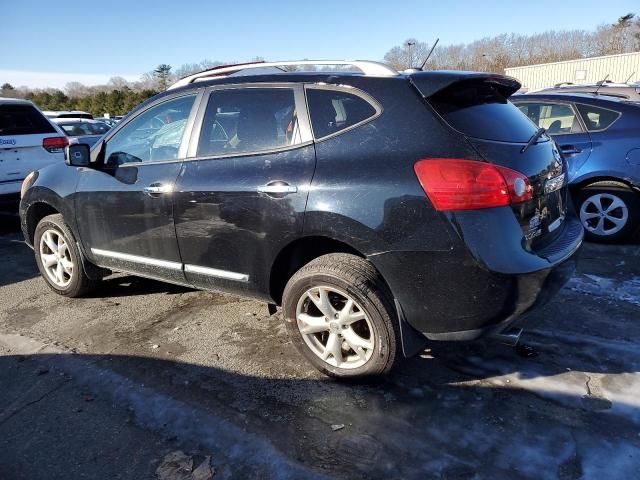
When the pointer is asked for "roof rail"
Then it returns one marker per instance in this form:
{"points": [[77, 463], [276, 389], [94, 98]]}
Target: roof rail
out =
{"points": [[376, 69]]}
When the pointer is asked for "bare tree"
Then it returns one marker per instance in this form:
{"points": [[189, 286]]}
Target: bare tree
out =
{"points": [[496, 53], [410, 54]]}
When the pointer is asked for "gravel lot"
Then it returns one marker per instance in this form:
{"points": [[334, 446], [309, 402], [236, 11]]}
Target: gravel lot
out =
{"points": [[105, 387]]}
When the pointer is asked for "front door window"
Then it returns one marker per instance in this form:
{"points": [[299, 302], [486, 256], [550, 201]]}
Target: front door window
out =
{"points": [[153, 136]]}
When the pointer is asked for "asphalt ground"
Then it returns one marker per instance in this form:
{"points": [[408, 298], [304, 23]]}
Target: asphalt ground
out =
{"points": [[106, 386]]}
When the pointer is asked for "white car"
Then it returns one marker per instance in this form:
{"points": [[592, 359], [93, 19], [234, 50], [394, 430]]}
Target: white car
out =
{"points": [[28, 141]]}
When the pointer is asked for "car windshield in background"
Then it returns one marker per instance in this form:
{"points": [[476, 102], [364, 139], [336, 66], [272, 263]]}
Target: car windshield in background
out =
{"points": [[23, 120], [479, 110], [80, 129]]}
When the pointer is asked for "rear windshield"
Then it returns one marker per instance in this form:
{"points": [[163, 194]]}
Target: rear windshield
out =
{"points": [[479, 110], [16, 119]]}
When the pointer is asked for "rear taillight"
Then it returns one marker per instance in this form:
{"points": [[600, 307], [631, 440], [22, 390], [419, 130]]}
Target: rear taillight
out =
{"points": [[54, 144], [454, 184]]}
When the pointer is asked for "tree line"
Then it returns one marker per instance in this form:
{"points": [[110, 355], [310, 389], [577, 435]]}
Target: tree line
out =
{"points": [[494, 54], [490, 54]]}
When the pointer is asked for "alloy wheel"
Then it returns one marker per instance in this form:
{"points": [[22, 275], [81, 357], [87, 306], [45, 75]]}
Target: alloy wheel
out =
{"points": [[335, 327], [56, 258], [604, 214]]}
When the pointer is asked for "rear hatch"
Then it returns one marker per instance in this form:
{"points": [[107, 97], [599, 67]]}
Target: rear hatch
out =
{"points": [[28, 141], [476, 106]]}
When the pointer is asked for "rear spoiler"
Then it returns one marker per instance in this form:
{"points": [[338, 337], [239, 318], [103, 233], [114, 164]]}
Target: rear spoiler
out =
{"points": [[430, 83]]}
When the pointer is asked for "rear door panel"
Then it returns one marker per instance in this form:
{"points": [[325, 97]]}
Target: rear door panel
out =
{"points": [[229, 227]]}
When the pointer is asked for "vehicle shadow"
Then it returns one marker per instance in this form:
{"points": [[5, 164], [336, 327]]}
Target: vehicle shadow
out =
{"points": [[441, 416], [17, 258], [9, 223], [121, 285]]}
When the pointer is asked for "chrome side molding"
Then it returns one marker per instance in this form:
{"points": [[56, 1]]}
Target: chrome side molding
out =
{"points": [[214, 272], [211, 272], [137, 259]]}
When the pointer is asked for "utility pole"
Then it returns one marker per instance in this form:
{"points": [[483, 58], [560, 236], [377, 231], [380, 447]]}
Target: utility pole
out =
{"points": [[410, 46]]}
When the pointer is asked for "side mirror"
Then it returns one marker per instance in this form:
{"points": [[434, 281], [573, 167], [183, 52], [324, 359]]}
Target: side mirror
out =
{"points": [[77, 155]]}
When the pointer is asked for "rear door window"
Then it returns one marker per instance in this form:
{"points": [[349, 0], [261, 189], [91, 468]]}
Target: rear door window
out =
{"points": [[333, 111], [479, 110], [245, 120], [17, 119], [597, 118], [555, 118]]}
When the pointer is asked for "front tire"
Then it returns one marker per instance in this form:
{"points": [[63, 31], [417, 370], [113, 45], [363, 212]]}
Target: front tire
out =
{"points": [[340, 316], [58, 258], [609, 211]]}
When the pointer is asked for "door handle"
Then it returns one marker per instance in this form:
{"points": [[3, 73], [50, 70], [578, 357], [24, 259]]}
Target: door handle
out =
{"points": [[157, 189], [278, 188], [570, 149]]}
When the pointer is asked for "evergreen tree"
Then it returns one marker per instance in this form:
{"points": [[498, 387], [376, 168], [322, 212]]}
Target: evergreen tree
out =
{"points": [[162, 74]]}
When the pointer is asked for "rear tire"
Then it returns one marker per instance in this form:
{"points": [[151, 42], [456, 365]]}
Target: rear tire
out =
{"points": [[339, 314], [609, 211], [59, 259]]}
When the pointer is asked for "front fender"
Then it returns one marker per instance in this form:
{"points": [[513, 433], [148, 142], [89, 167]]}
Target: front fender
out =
{"points": [[53, 189]]}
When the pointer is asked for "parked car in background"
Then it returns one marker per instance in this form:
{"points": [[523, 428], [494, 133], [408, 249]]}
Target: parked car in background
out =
{"points": [[109, 121], [600, 138], [378, 208], [82, 130], [28, 141], [624, 91], [67, 114]]}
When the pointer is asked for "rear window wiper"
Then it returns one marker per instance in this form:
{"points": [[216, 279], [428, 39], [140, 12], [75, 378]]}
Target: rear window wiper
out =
{"points": [[534, 138]]}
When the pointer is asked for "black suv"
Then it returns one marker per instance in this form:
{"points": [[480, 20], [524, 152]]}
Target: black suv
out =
{"points": [[378, 209]]}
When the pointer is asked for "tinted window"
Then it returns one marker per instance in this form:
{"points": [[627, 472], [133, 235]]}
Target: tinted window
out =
{"points": [[23, 120], [153, 136], [249, 120], [75, 115], [332, 111], [555, 118], [479, 110], [597, 118]]}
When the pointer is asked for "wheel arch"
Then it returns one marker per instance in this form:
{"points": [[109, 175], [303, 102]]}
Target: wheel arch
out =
{"points": [[297, 254], [34, 213], [583, 182]]}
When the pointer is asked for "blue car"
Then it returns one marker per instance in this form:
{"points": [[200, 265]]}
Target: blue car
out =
{"points": [[600, 138]]}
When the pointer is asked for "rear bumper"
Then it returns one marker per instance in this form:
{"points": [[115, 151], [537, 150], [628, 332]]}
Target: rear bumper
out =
{"points": [[457, 296]]}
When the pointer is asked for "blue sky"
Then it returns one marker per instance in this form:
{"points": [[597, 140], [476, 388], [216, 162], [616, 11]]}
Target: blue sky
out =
{"points": [[92, 41]]}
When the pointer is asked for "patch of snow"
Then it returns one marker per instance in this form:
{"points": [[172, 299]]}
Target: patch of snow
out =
{"points": [[625, 291]]}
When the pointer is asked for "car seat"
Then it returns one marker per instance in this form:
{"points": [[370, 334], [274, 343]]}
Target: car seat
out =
{"points": [[257, 130], [555, 127]]}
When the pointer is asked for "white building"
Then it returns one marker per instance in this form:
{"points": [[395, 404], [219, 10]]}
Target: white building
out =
{"points": [[619, 68]]}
